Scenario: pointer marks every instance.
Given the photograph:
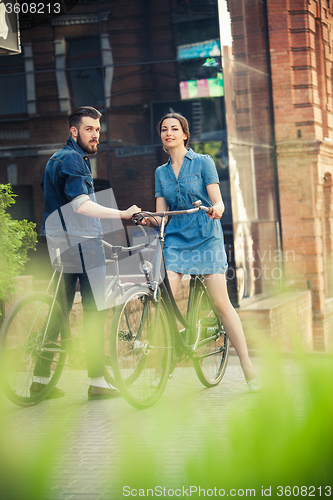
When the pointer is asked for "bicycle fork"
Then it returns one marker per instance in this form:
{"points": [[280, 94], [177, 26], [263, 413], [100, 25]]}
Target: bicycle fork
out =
{"points": [[46, 329]]}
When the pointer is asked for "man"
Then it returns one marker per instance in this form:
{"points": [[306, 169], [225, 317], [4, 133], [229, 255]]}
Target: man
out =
{"points": [[67, 182]]}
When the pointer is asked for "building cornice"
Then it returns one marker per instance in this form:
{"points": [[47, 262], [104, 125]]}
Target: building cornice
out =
{"points": [[74, 19], [301, 146], [36, 150]]}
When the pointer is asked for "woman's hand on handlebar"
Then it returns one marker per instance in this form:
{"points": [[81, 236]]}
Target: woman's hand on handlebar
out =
{"points": [[144, 221], [216, 211]]}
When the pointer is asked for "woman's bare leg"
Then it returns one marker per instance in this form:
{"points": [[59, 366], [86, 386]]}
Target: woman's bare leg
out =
{"points": [[217, 288], [174, 280]]}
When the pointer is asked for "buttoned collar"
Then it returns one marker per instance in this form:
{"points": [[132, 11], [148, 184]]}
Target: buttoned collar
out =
{"points": [[190, 154], [74, 145]]}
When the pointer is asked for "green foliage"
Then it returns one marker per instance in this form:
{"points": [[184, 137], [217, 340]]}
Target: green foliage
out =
{"points": [[283, 440], [278, 443], [27, 457], [17, 237], [280, 439]]}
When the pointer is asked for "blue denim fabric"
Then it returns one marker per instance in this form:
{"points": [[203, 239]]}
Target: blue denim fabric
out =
{"points": [[193, 243], [93, 324], [66, 176]]}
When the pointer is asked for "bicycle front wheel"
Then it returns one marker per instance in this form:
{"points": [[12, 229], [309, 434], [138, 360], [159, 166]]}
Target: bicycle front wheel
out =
{"points": [[116, 298], [141, 347], [33, 342], [210, 340]]}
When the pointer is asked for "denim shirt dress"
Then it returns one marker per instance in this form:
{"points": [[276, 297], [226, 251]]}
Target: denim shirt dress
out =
{"points": [[193, 243]]}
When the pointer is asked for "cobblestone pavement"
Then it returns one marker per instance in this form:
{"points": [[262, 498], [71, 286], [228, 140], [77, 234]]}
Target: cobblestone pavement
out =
{"points": [[95, 440]]}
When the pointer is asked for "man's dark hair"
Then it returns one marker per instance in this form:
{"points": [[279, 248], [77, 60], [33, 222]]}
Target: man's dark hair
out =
{"points": [[79, 113]]}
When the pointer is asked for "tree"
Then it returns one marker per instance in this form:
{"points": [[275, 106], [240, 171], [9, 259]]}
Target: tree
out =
{"points": [[16, 238]]}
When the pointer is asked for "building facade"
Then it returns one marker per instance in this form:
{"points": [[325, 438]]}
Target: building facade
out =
{"points": [[300, 37], [254, 80]]}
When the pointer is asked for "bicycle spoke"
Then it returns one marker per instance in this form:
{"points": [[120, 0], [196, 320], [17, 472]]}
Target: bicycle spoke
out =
{"points": [[210, 341], [32, 339], [142, 348]]}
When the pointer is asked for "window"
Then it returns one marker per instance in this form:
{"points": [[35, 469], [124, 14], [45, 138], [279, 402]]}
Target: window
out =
{"points": [[12, 85], [85, 72]]}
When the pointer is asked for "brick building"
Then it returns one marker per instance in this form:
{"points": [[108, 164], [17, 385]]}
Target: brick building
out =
{"points": [[301, 44], [254, 80]]}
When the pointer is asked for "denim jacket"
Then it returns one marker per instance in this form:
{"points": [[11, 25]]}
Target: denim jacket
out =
{"points": [[67, 182]]}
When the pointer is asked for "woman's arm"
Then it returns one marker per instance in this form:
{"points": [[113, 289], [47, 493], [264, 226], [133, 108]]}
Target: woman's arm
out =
{"points": [[215, 197], [161, 206]]}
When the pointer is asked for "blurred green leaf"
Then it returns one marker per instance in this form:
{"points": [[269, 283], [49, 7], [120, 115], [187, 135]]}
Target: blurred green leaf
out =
{"points": [[17, 237]]}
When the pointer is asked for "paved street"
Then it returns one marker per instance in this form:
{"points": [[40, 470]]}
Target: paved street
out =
{"points": [[97, 446]]}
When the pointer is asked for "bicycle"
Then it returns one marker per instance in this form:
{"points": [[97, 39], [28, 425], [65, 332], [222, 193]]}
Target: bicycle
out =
{"points": [[37, 328], [146, 343]]}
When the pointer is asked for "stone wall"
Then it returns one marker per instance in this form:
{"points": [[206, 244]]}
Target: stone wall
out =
{"points": [[283, 321]]}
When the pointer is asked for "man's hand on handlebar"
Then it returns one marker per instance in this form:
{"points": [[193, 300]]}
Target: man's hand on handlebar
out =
{"points": [[127, 214]]}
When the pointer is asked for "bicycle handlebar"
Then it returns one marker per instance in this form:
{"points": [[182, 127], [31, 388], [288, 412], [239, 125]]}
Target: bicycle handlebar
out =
{"points": [[118, 248], [197, 207]]}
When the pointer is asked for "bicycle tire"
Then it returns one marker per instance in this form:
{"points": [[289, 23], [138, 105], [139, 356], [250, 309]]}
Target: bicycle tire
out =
{"points": [[211, 357], [21, 344], [141, 347], [108, 369], [114, 300]]}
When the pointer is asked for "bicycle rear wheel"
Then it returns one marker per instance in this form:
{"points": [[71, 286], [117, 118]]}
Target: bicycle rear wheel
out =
{"points": [[212, 348], [31, 341], [141, 347], [108, 369]]}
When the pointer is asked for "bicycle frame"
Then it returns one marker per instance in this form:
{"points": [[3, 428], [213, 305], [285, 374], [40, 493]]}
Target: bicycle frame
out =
{"points": [[166, 292], [112, 289], [160, 255], [116, 284]]}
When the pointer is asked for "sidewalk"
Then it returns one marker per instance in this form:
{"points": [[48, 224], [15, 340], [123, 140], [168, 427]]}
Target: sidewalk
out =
{"points": [[100, 443]]}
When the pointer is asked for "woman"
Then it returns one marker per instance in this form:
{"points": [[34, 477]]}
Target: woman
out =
{"points": [[194, 243]]}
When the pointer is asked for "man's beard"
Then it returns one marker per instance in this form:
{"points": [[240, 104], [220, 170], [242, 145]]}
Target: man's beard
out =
{"points": [[86, 147]]}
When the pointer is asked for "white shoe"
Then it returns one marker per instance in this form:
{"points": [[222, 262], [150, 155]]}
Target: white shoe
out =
{"points": [[255, 385]]}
